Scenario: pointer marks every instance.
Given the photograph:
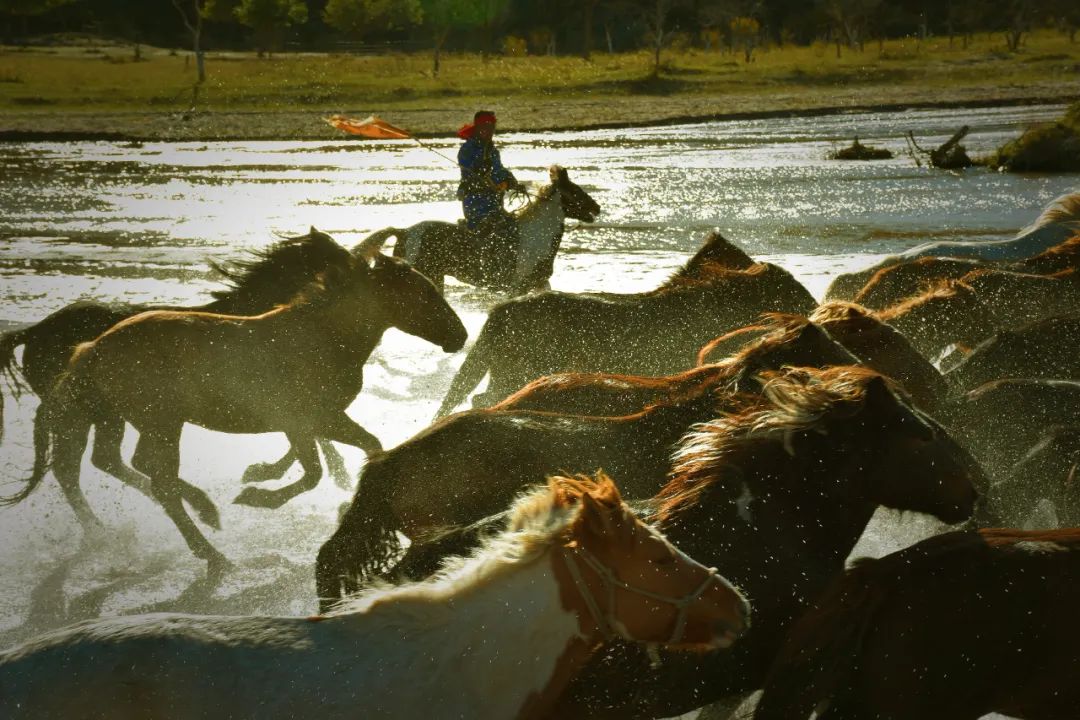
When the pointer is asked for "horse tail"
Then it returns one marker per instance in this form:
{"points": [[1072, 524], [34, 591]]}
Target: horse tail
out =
{"points": [[366, 540], [476, 366], [373, 243], [9, 368], [822, 648]]}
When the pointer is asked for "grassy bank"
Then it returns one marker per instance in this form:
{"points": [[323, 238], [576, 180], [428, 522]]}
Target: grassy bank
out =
{"points": [[105, 87]]}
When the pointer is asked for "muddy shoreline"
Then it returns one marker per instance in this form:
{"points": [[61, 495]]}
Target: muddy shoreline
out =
{"points": [[523, 114]]}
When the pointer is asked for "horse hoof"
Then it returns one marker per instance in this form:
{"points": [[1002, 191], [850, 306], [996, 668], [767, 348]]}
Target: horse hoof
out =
{"points": [[258, 497]]}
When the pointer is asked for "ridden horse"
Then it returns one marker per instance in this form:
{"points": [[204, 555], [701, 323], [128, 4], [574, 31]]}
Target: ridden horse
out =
{"points": [[495, 635], [1048, 472], [438, 248], [884, 349], [655, 333], [1058, 222], [271, 277], [1001, 420], [469, 465], [781, 492], [294, 369], [952, 628], [788, 340], [1042, 349]]}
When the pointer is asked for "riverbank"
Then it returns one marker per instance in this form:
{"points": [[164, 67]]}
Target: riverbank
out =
{"points": [[107, 94]]}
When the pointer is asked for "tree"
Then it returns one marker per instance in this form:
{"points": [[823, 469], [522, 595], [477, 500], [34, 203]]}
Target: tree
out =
{"points": [[25, 9], [357, 17], [656, 15], [191, 11], [443, 16], [269, 17], [849, 19], [744, 32]]}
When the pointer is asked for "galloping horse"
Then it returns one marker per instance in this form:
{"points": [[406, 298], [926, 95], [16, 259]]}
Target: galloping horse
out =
{"points": [[1058, 222], [496, 635], [273, 276], [438, 249], [952, 628], [655, 333], [293, 369], [948, 312], [781, 492]]}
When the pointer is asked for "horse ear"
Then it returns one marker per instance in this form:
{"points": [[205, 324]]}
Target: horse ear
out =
{"points": [[312, 230], [558, 174], [595, 516], [882, 402]]}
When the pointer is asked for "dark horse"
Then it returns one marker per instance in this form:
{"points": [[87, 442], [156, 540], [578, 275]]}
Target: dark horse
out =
{"points": [[271, 277], [438, 249], [781, 492], [294, 369], [654, 333], [952, 628]]}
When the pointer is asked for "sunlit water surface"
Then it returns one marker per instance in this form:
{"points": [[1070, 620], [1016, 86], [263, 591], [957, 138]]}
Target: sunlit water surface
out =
{"points": [[141, 223]]}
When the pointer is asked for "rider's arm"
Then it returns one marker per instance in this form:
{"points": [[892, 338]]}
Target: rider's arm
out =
{"points": [[499, 173]]}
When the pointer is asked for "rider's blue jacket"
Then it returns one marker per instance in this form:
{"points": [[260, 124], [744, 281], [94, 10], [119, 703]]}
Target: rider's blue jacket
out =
{"points": [[481, 171]]}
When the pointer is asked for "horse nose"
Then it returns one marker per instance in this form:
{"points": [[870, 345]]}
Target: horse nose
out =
{"points": [[457, 339]]}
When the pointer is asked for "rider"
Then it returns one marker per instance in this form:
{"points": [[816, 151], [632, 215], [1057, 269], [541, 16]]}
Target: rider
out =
{"points": [[483, 182]]}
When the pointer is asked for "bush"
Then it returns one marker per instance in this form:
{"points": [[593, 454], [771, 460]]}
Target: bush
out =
{"points": [[514, 46], [1044, 148]]}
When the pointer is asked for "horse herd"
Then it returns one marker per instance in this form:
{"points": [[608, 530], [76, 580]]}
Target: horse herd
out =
{"points": [[751, 427]]}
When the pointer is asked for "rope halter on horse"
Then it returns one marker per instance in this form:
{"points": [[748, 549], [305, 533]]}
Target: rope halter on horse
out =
{"points": [[606, 621]]}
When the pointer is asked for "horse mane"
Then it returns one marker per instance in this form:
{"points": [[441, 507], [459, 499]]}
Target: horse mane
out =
{"points": [[281, 270], [537, 520], [841, 311], [1067, 248], [943, 289], [885, 273], [793, 400], [1064, 210], [542, 195], [708, 274]]}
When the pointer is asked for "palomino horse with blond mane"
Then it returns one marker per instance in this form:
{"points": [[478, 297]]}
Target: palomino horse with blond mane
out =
{"points": [[438, 249], [294, 369], [955, 627], [496, 635], [1058, 222]]}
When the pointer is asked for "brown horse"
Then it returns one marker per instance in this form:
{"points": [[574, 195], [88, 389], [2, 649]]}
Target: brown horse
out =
{"points": [[294, 369], [884, 349], [496, 635], [1042, 349], [1019, 298], [786, 340], [952, 628], [1060, 257], [1001, 420], [470, 464], [948, 312], [270, 277], [896, 283], [1048, 472], [657, 333], [438, 249], [781, 491]]}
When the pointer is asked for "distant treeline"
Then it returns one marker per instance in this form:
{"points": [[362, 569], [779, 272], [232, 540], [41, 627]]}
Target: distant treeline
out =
{"points": [[527, 26]]}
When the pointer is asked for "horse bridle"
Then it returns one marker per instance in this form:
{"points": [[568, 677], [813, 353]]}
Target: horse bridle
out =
{"points": [[605, 621]]}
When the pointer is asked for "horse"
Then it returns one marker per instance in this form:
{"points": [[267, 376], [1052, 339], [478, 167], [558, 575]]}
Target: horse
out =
{"points": [[497, 634], [1021, 411], [901, 637], [896, 283], [1042, 349], [469, 465], [786, 484], [293, 369], [786, 340], [1058, 222], [656, 333], [948, 312], [270, 277], [438, 249], [1018, 298], [884, 349]]}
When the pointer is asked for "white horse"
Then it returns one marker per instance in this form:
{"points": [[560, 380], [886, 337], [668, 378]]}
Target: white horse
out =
{"points": [[1056, 224], [497, 635], [438, 249]]}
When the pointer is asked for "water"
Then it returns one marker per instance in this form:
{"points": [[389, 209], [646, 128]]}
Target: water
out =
{"points": [[141, 223]]}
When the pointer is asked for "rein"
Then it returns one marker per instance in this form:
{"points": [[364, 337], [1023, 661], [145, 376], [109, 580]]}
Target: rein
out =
{"points": [[605, 621]]}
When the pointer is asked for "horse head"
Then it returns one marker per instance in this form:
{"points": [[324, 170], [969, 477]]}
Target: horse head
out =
{"points": [[635, 584], [576, 203]]}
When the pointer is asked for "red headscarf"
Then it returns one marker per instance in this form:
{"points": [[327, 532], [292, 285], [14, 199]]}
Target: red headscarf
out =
{"points": [[481, 118]]}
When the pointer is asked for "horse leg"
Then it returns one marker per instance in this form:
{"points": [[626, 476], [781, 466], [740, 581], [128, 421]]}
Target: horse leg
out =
{"points": [[260, 472], [108, 437], [69, 446], [335, 464], [158, 455], [344, 429], [306, 451]]}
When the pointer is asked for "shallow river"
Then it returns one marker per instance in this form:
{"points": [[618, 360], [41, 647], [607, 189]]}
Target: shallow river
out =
{"points": [[140, 223]]}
